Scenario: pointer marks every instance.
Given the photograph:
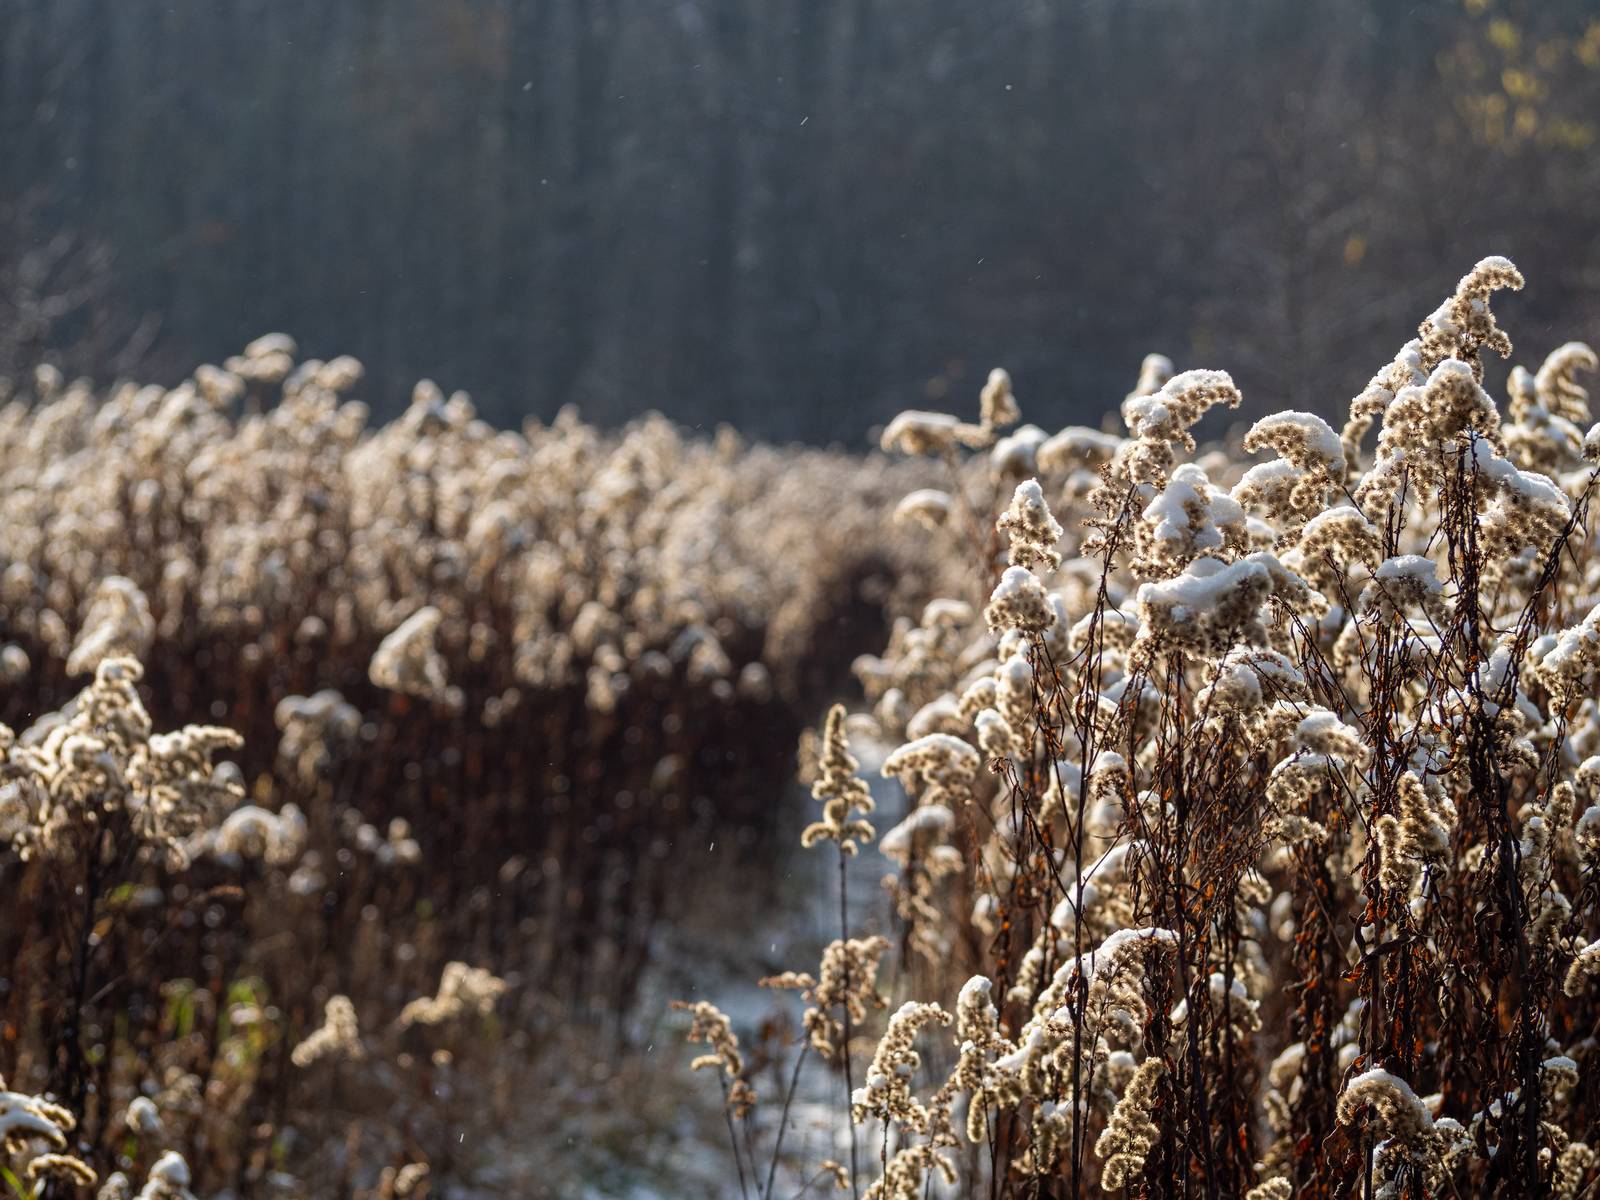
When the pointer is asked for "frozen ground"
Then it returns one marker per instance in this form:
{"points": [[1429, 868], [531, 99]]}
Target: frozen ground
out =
{"points": [[637, 1124]]}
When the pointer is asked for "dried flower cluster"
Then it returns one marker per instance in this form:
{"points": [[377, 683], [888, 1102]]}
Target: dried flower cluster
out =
{"points": [[338, 1037], [464, 992], [33, 1131], [95, 780]]}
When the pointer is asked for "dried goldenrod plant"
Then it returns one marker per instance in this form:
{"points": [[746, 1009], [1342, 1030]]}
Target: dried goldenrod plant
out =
{"points": [[483, 679], [1248, 813]]}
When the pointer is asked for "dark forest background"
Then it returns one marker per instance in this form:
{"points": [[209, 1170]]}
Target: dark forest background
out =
{"points": [[795, 215]]}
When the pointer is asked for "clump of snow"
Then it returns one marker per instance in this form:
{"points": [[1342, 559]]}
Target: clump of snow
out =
{"points": [[926, 819]]}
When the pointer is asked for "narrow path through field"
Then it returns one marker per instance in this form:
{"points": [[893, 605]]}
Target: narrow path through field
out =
{"points": [[641, 1126]]}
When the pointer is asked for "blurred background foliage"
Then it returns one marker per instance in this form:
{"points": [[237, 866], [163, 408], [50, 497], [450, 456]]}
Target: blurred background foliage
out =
{"points": [[798, 216]]}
